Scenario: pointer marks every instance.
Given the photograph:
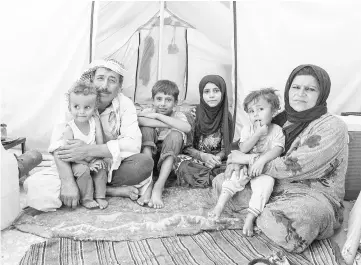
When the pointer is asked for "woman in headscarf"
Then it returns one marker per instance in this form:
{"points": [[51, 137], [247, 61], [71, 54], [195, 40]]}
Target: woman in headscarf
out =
{"points": [[306, 203], [212, 135]]}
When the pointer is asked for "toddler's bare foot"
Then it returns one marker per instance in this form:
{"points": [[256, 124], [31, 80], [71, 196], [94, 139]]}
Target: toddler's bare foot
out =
{"points": [[215, 213], [89, 204], [156, 198], [103, 203], [248, 225], [144, 199]]}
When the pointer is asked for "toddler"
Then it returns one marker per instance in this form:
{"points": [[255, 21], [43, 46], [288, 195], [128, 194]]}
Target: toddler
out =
{"points": [[261, 139], [90, 174]]}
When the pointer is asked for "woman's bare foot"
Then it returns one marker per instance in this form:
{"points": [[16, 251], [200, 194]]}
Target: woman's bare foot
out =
{"points": [[103, 203], [156, 198], [89, 204], [144, 199], [123, 191], [248, 225]]}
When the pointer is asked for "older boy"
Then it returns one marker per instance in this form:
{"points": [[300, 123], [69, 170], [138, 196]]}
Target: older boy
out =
{"points": [[163, 131]]}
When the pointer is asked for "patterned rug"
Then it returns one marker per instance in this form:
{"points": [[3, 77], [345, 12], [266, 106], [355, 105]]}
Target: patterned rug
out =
{"points": [[224, 247], [185, 213], [180, 233]]}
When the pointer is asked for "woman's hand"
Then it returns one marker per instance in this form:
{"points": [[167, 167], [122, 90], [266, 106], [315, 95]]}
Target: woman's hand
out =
{"points": [[74, 150], [210, 160]]}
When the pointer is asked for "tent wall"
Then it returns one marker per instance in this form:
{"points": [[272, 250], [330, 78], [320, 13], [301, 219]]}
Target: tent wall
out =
{"points": [[45, 45], [273, 38], [174, 63], [208, 44]]}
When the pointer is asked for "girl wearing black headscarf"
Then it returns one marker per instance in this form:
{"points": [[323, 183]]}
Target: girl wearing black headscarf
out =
{"points": [[212, 136], [310, 177]]}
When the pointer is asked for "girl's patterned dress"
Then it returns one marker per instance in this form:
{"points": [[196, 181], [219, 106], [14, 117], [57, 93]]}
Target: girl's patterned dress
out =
{"points": [[190, 171]]}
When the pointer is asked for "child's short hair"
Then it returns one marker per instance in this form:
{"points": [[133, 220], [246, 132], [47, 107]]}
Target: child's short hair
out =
{"points": [[84, 88], [269, 94], [167, 87]]}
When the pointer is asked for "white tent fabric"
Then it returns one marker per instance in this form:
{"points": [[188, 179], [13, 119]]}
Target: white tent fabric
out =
{"points": [[45, 46], [275, 37], [209, 43]]}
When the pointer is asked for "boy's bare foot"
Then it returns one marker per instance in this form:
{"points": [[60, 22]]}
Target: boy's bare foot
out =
{"points": [[103, 203], [123, 191], [248, 225], [144, 199], [156, 198], [89, 204], [216, 212]]}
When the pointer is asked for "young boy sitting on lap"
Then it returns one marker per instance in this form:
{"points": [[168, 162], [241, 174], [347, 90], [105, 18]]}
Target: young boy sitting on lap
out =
{"points": [[163, 131]]}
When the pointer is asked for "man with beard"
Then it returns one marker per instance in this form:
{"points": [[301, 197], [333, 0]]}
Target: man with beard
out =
{"points": [[128, 170]]}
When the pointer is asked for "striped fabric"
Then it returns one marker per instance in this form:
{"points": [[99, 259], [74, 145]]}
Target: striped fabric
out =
{"points": [[219, 247]]}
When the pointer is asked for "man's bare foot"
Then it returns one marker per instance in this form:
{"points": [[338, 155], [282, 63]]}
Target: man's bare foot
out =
{"points": [[216, 212], [248, 225], [144, 199], [123, 191], [103, 203], [156, 198], [89, 204]]}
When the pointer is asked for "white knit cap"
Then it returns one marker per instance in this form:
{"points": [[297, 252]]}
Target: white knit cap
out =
{"points": [[110, 64]]}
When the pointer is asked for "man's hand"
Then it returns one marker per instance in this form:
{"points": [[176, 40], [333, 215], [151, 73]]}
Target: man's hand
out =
{"points": [[69, 194], [74, 150], [256, 168], [150, 115], [210, 160], [97, 165], [261, 130]]}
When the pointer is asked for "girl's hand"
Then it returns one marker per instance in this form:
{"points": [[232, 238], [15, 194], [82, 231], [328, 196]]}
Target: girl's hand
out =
{"points": [[210, 160]]}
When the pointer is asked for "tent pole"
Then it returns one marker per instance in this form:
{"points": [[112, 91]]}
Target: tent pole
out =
{"points": [[160, 47], [235, 64], [91, 54]]}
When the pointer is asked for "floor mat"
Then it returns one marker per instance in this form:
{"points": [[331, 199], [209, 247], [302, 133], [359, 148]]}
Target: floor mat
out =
{"points": [[185, 213], [217, 247]]}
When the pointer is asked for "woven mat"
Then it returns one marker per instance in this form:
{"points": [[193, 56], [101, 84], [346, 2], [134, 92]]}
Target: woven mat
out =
{"points": [[224, 247], [185, 213], [180, 233]]}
